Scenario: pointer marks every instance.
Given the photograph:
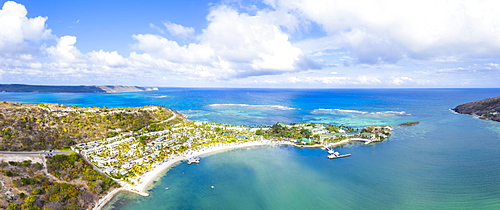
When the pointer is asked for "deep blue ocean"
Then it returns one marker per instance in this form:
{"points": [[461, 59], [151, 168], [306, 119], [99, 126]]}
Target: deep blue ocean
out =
{"points": [[448, 161]]}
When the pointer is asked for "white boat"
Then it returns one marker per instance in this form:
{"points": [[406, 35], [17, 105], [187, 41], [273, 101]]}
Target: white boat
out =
{"points": [[331, 151]]}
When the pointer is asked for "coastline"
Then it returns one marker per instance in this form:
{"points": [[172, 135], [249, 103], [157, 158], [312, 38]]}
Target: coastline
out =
{"points": [[147, 178]]}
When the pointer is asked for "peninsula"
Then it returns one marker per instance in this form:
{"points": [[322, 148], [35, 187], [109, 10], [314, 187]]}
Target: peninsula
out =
{"points": [[71, 89], [488, 109], [114, 149]]}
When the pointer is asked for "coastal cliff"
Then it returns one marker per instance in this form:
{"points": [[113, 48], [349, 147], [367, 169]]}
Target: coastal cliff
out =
{"points": [[487, 109], [71, 89]]}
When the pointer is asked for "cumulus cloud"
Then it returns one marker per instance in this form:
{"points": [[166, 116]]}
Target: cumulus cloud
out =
{"points": [[250, 42], [234, 44], [179, 30], [265, 46], [65, 50], [17, 32], [391, 30]]}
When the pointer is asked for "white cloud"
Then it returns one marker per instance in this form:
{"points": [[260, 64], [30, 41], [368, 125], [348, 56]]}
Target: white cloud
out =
{"points": [[400, 80], [153, 26], [322, 80], [233, 45], [251, 43], [391, 30], [162, 48], [17, 31], [264, 48], [65, 51], [179, 30], [111, 59], [364, 79]]}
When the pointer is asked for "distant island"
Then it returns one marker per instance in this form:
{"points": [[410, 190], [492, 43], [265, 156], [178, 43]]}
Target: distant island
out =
{"points": [[71, 89], [487, 109]]}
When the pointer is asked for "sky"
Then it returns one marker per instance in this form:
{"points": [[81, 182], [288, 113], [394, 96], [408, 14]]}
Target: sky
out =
{"points": [[252, 43]]}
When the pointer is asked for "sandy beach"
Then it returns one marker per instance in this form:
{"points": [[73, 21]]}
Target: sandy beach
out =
{"points": [[147, 178]]}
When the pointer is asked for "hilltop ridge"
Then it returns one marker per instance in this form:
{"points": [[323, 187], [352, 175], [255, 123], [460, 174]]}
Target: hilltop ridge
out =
{"points": [[71, 89]]}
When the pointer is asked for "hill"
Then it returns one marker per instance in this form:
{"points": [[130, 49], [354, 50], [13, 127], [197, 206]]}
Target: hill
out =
{"points": [[26, 127], [71, 89], [487, 109]]}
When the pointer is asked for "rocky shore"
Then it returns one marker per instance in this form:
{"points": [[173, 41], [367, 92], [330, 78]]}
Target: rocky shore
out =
{"points": [[487, 109]]}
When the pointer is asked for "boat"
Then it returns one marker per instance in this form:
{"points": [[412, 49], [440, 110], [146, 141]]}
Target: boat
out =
{"points": [[212, 187], [330, 151], [166, 188]]}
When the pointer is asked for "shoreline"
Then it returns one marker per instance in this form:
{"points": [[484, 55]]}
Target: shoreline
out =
{"points": [[148, 178]]}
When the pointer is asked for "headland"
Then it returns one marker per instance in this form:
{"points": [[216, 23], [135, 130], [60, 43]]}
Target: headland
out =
{"points": [[71, 89], [487, 109]]}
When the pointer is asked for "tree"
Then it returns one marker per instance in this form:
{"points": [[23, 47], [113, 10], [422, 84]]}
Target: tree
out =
{"points": [[30, 200], [12, 206]]}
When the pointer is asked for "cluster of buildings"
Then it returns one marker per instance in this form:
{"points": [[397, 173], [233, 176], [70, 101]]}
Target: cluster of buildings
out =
{"points": [[129, 156]]}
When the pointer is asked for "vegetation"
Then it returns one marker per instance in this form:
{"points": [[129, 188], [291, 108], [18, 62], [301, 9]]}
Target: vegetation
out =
{"points": [[73, 167], [28, 187], [409, 124], [299, 132], [487, 109], [41, 127]]}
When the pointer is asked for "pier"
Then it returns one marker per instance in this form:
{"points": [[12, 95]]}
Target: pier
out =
{"points": [[335, 155], [338, 156], [193, 160]]}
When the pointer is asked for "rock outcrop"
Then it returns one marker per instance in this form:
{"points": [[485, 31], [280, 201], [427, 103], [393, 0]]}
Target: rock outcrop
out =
{"points": [[488, 109]]}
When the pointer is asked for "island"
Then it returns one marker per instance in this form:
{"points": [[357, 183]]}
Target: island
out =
{"points": [[487, 109], [63, 155], [71, 89]]}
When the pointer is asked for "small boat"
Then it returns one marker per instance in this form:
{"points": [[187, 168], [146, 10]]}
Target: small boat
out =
{"points": [[166, 188], [330, 151], [212, 187]]}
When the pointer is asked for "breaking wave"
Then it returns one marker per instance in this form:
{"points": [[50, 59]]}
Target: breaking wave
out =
{"points": [[272, 107], [347, 111]]}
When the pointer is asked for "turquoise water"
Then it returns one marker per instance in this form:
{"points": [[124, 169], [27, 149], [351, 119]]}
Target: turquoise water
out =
{"points": [[448, 161]]}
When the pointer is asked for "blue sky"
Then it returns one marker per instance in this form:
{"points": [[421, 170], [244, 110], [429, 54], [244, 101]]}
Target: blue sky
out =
{"points": [[268, 43]]}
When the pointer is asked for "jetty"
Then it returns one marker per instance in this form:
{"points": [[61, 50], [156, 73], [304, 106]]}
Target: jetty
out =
{"points": [[334, 155], [338, 156], [193, 160]]}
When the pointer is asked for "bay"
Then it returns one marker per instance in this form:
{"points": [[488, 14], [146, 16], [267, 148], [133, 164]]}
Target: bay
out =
{"points": [[448, 161]]}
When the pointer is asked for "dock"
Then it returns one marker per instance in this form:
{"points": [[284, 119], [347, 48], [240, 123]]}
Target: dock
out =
{"points": [[338, 156], [193, 160], [335, 155]]}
